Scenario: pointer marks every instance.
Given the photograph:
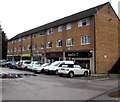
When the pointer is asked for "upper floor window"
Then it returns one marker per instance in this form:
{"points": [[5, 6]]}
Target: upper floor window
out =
{"points": [[29, 47], [69, 42], [49, 44], [8, 50], [14, 41], [34, 46], [59, 43], [19, 49], [41, 33], [24, 38], [23, 48], [11, 49], [84, 22], [34, 36], [68, 26], [50, 31], [42, 46], [15, 49], [85, 40], [60, 29], [29, 37], [19, 39]]}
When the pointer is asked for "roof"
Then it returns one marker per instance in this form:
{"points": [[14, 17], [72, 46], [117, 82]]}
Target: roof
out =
{"points": [[68, 19]]}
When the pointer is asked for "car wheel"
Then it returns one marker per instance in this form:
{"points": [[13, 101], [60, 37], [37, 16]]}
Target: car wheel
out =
{"points": [[56, 72], [71, 74], [5, 65], [86, 74]]}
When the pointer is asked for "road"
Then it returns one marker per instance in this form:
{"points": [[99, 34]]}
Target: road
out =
{"points": [[53, 87]]}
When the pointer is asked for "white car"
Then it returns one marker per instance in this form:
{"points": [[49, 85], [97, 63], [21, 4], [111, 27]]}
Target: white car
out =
{"points": [[53, 68], [23, 64], [33, 64], [73, 69], [40, 68]]}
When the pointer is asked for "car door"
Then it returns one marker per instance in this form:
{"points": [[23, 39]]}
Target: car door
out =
{"points": [[78, 70]]}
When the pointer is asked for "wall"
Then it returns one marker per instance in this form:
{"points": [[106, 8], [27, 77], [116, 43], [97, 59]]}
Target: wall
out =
{"points": [[106, 39]]}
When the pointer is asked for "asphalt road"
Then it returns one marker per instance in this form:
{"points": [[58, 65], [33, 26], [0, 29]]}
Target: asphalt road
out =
{"points": [[52, 87]]}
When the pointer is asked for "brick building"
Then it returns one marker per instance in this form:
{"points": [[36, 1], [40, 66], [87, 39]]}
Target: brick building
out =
{"points": [[89, 37]]}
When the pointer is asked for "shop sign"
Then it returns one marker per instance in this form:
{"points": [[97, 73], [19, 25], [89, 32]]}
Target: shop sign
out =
{"points": [[78, 54], [15, 55], [25, 55], [37, 54], [82, 59], [9, 55], [54, 55]]}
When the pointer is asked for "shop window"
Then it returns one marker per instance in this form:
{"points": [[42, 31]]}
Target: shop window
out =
{"points": [[85, 40], [60, 29], [69, 42], [42, 46], [59, 43], [49, 44], [84, 22], [68, 26], [50, 31]]}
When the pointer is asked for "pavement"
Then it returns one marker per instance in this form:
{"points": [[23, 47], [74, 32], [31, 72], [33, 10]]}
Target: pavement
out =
{"points": [[52, 87]]}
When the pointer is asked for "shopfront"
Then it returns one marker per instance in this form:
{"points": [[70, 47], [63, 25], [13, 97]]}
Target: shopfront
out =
{"points": [[54, 56], [25, 57], [38, 57], [80, 57]]}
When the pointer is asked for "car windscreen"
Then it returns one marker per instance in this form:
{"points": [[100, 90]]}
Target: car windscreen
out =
{"points": [[55, 64], [27, 62]]}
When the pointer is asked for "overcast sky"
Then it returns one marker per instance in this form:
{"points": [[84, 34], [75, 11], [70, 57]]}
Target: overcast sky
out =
{"points": [[17, 16]]}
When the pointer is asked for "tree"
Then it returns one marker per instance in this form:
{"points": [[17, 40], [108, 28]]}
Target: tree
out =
{"points": [[3, 44]]}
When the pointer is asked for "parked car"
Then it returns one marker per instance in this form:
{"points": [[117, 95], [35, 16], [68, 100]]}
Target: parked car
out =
{"points": [[53, 68], [23, 64], [14, 64], [73, 69], [33, 64], [6, 63], [40, 69]]}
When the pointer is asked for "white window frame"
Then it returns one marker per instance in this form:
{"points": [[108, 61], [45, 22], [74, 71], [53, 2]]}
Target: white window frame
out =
{"points": [[50, 31], [69, 40], [85, 40], [15, 49], [48, 44], [86, 20], [59, 43], [23, 48], [42, 46], [8, 50], [68, 26], [60, 29], [19, 39], [28, 47], [34, 46]]}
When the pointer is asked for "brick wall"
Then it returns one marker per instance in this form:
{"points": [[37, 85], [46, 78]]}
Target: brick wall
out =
{"points": [[106, 39]]}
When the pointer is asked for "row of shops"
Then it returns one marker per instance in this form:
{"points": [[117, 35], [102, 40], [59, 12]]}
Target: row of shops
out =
{"points": [[83, 57]]}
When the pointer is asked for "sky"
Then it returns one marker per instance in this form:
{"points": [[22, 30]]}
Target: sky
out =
{"points": [[17, 16]]}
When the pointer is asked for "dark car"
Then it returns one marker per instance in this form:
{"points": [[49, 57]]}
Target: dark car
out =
{"points": [[6, 64]]}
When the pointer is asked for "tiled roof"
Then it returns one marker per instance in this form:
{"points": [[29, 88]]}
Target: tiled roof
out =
{"points": [[71, 18]]}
